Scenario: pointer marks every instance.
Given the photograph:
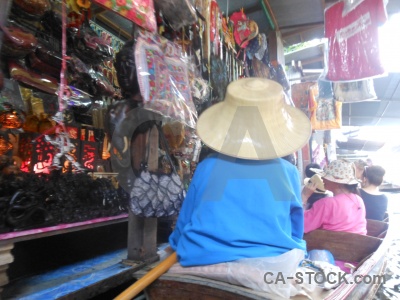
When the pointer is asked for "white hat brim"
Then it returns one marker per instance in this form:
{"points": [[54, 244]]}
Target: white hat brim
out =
{"points": [[267, 136]]}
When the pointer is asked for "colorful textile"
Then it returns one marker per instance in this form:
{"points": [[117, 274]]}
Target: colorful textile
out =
{"points": [[353, 40], [140, 12], [325, 113], [237, 209], [343, 212]]}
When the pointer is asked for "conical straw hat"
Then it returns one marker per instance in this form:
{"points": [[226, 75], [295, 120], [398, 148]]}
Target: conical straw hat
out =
{"points": [[254, 122]]}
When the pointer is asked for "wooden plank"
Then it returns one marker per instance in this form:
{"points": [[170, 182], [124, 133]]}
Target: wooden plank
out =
{"points": [[142, 239], [375, 227], [344, 246], [275, 47]]}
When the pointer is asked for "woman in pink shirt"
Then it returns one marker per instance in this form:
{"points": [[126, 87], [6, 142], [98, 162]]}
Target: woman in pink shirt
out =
{"points": [[345, 211]]}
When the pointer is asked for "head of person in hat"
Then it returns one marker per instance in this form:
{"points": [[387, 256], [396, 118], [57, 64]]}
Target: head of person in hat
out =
{"points": [[339, 176], [345, 210], [244, 199]]}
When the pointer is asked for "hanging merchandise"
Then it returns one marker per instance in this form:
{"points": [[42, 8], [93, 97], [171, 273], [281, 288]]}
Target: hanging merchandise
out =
{"points": [[157, 194], [325, 88], [89, 46], [32, 9], [215, 29], [179, 13], [219, 79], [260, 69], [353, 45], [17, 42], [227, 30], [302, 93], [125, 66], [163, 78], [141, 12], [325, 113], [244, 29], [354, 91]]}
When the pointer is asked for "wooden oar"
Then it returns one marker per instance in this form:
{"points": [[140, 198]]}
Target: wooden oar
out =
{"points": [[147, 279]]}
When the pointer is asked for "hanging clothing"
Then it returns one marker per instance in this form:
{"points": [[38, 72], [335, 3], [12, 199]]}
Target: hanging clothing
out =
{"points": [[343, 212], [353, 40], [237, 209], [375, 205]]}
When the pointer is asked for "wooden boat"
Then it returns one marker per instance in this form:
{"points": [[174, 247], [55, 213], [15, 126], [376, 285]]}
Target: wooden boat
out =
{"points": [[369, 250]]}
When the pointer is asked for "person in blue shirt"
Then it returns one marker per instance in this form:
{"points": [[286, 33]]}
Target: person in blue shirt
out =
{"points": [[244, 201]]}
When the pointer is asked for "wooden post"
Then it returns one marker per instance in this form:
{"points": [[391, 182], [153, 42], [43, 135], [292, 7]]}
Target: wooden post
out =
{"points": [[275, 47], [142, 239], [142, 232]]}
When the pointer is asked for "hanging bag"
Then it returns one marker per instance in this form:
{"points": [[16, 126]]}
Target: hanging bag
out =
{"points": [[156, 194]]}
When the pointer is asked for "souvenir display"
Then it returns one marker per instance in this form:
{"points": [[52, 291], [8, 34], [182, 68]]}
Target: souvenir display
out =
{"points": [[79, 84], [163, 78]]}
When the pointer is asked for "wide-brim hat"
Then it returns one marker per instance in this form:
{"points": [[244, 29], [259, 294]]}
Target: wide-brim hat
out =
{"points": [[340, 171], [316, 179], [254, 122]]}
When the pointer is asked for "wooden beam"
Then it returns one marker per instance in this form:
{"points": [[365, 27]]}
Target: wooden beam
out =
{"points": [[301, 30], [275, 47], [312, 60], [302, 25], [272, 14]]}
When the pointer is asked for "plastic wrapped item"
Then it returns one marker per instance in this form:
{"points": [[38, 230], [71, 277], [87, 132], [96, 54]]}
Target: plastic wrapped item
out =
{"points": [[253, 273], [33, 9], [78, 100], [90, 47], [163, 79], [140, 12], [354, 91], [125, 66], [17, 42], [179, 13], [40, 66], [40, 81], [353, 40], [321, 255]]}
